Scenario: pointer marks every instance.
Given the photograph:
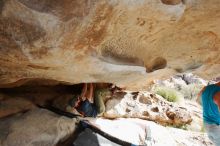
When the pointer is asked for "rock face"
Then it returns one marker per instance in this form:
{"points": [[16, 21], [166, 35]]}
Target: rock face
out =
{"points": [[141, 132], [107, 40], [9, 106], [35, 128], [88, 137], [147, 106]]}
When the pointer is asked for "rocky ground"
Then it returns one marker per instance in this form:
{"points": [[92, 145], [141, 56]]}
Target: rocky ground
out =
{"points": [[40, 127]]}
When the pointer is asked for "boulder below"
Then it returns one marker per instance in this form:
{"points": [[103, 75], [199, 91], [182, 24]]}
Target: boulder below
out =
{"points": [[37, 127], [142, 132]]}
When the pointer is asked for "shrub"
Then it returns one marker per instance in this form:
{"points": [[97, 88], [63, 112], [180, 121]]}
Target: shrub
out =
{"points": [[169, 94]]}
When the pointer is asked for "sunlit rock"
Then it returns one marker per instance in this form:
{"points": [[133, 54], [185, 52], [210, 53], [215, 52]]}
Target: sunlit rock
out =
{"points": [[147, 106], [141, 132], [118, 41]]}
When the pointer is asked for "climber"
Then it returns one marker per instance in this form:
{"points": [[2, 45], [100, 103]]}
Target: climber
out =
{"points": [[85, 103], [210, 96], [91, 101]]}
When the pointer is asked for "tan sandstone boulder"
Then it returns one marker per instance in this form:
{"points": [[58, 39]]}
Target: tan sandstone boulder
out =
{"points": [[118, 41]]}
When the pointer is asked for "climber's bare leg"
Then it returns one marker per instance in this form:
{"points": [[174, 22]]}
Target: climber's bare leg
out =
{"points": [[91, 93], [83, 95]]}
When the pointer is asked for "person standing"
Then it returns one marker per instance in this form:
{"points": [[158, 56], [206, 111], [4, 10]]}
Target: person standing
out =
{"points": [[210, 96]]}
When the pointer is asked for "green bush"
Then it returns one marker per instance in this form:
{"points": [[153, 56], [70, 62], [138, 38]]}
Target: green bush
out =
{"points": [[169, 94]]}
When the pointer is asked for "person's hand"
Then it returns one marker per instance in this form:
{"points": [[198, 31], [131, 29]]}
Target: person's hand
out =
{"points": [[77, 103]]}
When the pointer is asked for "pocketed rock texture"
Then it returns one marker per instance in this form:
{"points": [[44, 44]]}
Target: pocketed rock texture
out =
{"points": [[115, 41], [35, 128], [147, 106]]}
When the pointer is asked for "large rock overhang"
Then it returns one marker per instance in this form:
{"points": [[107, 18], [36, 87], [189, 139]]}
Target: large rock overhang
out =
{"points": [[117, 41]]}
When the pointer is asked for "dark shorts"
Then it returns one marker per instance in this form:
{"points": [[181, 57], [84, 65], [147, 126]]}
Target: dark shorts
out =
{"points": [[87, 108]]}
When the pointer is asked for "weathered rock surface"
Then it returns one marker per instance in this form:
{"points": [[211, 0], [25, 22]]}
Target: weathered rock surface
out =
{"points": [[35, 128], [107, 40], [88, 137], [9, 106], [148, 106], [142, 132], [189, 86], [196, 113]]}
